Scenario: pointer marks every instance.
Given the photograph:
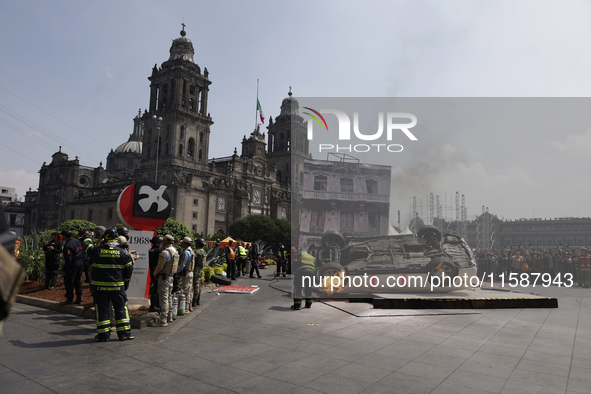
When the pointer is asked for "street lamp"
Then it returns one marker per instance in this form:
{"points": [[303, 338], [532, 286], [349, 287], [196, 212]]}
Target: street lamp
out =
{"points": [[157, 147], [229, 169]]}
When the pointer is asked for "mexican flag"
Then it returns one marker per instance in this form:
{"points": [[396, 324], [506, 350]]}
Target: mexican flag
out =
{"points": [[261, 114]]}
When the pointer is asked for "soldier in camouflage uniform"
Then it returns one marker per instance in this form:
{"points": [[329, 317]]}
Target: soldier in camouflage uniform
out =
{"points": [[200, 262]]}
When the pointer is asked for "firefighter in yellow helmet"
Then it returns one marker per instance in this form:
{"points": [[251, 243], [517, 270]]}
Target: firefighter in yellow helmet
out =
{"points": [[303, 269], [111, 272]]}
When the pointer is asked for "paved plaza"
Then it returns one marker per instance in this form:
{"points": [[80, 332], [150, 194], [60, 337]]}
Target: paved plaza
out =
{"points": [[257, 344]]}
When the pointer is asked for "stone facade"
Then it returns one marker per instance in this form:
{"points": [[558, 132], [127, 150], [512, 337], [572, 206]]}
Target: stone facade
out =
{"points": [[170, 144]]}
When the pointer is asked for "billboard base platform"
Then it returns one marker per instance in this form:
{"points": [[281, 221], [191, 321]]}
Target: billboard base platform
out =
{"points": [[468, 299]]}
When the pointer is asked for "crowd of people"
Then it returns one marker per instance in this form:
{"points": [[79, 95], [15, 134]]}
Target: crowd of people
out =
{"points": [[559, 260], [103, 255]]}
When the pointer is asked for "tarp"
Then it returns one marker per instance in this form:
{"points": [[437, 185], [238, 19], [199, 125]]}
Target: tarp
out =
{"points": [[236, 289], [226, 241]]}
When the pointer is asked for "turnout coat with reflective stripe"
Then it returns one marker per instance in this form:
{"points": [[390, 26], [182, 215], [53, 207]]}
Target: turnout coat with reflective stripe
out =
{"points": [[111, 267]]}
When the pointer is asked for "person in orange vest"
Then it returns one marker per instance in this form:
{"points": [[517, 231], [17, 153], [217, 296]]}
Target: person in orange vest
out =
{"points": [[231, 261]]}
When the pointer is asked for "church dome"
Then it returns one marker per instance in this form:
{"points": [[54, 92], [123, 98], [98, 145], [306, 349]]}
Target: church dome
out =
{"points": [[182, 48], [290, 105], [130, 146]]}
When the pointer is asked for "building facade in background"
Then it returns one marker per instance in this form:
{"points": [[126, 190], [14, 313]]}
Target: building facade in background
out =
{"points": [[169, 144]]}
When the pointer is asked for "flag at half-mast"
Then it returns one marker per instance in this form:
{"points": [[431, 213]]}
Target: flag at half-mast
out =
{"points": [[261, 114]]}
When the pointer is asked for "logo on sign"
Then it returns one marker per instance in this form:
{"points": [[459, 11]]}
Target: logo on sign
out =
{"points": [[344, 131], [151, 200]]}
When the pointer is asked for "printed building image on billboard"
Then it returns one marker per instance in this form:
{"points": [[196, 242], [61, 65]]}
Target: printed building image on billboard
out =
{"points": [[438, 194]]}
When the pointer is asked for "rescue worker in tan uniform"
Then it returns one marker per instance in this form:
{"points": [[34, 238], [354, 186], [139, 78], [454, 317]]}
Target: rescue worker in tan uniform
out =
{"points": [[188, 258], [168, 262]]}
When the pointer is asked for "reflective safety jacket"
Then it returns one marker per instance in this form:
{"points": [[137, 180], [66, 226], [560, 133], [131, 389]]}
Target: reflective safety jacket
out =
{"points": [[230, 253], [304, 262], [282, 255], [111, 267], [242, 252]]}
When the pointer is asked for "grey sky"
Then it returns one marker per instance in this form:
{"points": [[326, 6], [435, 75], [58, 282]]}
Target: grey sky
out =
{"points": [[87, 63]]}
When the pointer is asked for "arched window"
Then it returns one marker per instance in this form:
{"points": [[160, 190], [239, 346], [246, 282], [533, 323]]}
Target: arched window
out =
{"points": [[191, 148], [201, 137], [182, 132], [180, 149], [200, 154]]}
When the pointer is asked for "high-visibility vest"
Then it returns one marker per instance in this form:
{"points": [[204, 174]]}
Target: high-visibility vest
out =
{"points": [[242, 251], [231, 253], [306, 262]]}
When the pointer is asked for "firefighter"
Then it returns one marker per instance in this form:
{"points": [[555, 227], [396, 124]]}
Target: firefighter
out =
{"points": [[123, 231], [304, 266], [168, 263], [200, 262], [111, 272], [281, 261]]}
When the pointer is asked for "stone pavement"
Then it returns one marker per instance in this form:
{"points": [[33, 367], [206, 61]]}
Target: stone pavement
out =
{"points": [[256, 343]]}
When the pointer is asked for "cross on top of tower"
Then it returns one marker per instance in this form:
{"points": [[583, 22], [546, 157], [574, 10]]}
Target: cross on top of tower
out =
{"points": [[183, 33], [289, 92]]}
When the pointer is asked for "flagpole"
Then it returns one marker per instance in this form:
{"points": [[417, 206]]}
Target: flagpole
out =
{"points": [[256, 113]]}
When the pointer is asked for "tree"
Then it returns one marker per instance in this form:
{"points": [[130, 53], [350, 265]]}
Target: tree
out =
{"points": [[76, 226], [174, 228], [260, 227]]}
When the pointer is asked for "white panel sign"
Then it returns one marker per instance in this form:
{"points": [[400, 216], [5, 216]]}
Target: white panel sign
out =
{"points": [[139, 241]]}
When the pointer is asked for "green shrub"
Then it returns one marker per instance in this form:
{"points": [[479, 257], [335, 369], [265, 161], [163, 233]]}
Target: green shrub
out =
{"points": [[207, 273], [270, 262], [218, 270], [33, 262]]}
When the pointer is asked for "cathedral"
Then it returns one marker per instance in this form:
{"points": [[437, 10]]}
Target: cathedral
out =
{"points": [[169, 144]]}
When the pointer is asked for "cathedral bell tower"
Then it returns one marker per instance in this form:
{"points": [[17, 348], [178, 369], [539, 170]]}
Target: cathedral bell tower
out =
{"points": [[287, 140], [178, 95]]}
